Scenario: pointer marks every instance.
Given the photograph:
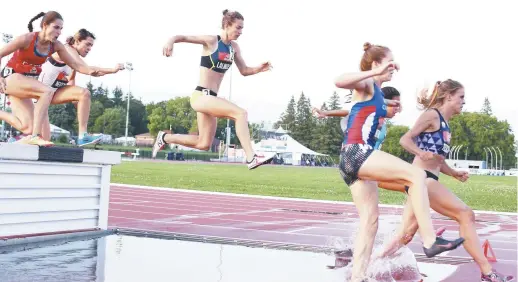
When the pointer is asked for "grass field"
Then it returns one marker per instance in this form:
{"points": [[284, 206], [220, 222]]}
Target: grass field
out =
{"points": [[491, 193]]}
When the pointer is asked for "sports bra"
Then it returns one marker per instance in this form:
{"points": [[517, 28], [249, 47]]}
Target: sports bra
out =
{"points": [[364, 119], [437, 142], [221, 59], [27, 61]]}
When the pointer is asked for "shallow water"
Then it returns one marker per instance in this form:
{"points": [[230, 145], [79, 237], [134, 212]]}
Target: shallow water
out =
{"points": [[127, 258]]}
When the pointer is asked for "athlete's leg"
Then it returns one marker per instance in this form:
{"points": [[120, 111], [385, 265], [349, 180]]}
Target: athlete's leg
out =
{"points": [[404, 233], [207, 125], [27, 88], [392, 186], [22, 114], [220, 108], [365, 197], [384, 167], [69, 94], [443, 201], [81, 99]]}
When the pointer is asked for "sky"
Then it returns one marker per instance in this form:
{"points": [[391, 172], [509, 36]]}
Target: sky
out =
{"points": [[308, 45]]}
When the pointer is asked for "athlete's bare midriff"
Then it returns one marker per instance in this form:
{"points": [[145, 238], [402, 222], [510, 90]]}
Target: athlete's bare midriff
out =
{"points": [[210, 79], [433, 166]]}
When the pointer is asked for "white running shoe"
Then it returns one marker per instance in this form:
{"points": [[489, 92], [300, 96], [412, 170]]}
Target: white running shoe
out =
{"points": [[260, 160], [159, 143]]}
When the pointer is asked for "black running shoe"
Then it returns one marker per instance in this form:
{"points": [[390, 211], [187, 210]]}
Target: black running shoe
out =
{"points": [[442, 245]]}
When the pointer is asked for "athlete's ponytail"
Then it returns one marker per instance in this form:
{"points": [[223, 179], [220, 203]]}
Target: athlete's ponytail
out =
{"points": [[48, 18], [437, 93], [33, 19]]}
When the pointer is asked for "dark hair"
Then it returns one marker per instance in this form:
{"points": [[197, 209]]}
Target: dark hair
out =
{"points": [[48, 18], [439, 93], [81, 35], [390, 92], [229, 17], [372, 53]]}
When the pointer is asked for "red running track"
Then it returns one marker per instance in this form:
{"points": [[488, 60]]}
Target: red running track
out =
{"points": [[291, 221]]}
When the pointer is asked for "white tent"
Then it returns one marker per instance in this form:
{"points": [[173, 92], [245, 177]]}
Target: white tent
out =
{"points": [[290, 149]]}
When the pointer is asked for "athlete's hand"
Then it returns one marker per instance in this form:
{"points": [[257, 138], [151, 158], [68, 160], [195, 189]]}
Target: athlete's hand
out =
{"points": [[461, 176], [318, 113], [393, 103], [386, 68], [96, 73], [265, 67], [168, 49], [426, 156], [119, 67], [3, 85]]}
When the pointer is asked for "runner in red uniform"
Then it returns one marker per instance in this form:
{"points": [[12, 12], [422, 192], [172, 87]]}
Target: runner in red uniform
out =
{"points": [[19, 77]]}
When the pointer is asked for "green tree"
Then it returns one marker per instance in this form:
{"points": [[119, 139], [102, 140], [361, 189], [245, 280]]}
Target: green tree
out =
{"points": [[391, 144], [305, 122], [486, 107], [138, 118], [63, 116], [477, 131], [117, 94], [287, 120], [321, 140], [96, 110], [176, 114], [112, 122], [333, 129]]}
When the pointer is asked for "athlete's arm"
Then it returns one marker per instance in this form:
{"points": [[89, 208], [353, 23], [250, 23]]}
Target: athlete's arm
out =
{"points": [[424, 122], [194, 39], [458, 174], [334, 113], [70, 60], [357, 80], [446, 169], [243, 68], [20, 42], [360, 80], [205, 40], [72, 78]]}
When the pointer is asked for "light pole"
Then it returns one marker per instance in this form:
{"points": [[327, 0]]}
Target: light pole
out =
{"points": [[228, 120], [491, 157], [487, 159], [451, 152], [501, 159], [496, 157], [458, 149], [129, 67], [6, 38]]}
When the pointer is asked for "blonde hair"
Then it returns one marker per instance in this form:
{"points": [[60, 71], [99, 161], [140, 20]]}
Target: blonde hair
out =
{"points": [[439, 92]]}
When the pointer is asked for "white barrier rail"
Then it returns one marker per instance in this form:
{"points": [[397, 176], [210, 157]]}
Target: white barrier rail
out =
{"points": [[53, 190]]}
